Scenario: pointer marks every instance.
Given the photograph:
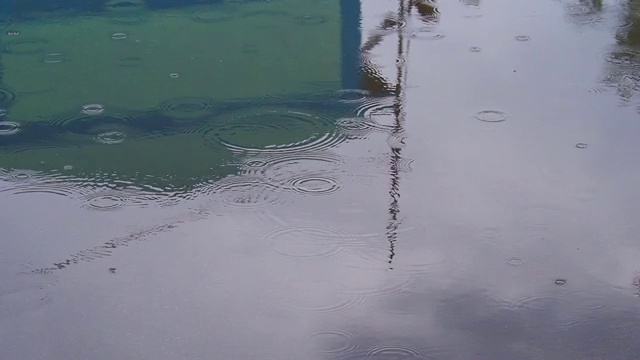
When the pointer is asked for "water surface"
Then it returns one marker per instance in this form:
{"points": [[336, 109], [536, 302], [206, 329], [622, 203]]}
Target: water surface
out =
{"points": [[391, 179]]}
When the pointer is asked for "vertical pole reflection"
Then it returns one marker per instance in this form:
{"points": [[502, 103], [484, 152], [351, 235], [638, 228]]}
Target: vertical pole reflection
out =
{"points": [[397, 134]]}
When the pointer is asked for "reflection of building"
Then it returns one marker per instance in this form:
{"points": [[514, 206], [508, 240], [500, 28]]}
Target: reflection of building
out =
{"points": [[157, 68]]}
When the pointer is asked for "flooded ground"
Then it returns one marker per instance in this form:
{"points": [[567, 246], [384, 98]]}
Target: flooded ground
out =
{"points": [[391, 179]]}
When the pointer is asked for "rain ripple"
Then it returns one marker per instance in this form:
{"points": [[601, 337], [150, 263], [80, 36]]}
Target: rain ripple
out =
{"points": [[94, 123], [188, 108], [571, 309], [105, 201], [378, 114], [350, 96], [281, 166], [313, 184], [28, 182], [334, 343], [95, 193], [381, 282], [394, 352], [239, 192], [427, 34], [308, 242], [317, 297], [261, 131]]}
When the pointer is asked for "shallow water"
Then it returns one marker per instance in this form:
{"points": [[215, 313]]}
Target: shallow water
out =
{"points": [[319, 179]]}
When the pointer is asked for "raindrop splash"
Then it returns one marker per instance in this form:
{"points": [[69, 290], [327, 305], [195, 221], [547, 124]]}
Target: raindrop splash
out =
{"points": [[110, 138], [93, 109], [491, 116], [119, 36], [9, 128]]}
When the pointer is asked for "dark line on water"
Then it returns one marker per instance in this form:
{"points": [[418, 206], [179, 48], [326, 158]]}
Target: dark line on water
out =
{"points": [[107, 248], [398, 130]]}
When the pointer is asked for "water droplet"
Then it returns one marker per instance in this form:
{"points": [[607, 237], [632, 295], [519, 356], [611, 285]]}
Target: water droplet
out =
{"points": [[514, 261], [334, 343], [53, 58], [9, 128], [68, 167], [491, 116], [174, 75], [560, 281], [119, 36], [112, 270], [581, 145], [311, 20], [93, 109], [522, 38], [110, 138], [474, 49]]}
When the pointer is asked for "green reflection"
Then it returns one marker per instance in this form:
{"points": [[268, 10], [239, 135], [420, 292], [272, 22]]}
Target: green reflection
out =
{"points": [[183, 91]]}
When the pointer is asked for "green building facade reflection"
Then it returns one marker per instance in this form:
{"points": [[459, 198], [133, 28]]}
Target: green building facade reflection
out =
{"points": [[163, 96]]}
